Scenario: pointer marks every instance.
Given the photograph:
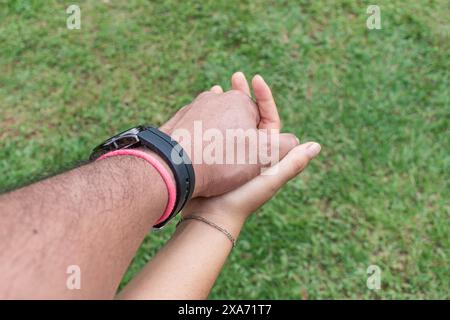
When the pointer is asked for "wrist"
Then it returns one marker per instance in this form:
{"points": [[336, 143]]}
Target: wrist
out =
{"points": [[148, 166], [138, 181], [160, 160], [198, 168], [161, 152], [232, 222], [160, 165]]}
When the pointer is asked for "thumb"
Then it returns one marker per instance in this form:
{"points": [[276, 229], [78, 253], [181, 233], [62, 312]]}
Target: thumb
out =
{"points": [[256, 192]]}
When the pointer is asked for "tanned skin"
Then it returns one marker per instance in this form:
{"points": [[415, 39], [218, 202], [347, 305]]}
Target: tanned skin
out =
{"points": [[94, 217]]}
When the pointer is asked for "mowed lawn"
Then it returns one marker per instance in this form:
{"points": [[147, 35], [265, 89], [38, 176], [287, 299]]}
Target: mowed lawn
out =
{"points": [[377, 100]]}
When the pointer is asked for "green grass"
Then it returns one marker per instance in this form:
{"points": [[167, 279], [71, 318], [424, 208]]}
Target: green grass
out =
{"points": [[378, 102]]}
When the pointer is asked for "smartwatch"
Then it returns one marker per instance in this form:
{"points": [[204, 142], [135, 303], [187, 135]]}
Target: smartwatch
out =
{"points": [[167, 148]]}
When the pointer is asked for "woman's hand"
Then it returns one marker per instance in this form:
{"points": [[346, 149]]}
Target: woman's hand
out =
{"points": [[188, 265], [239, 203], [234, 207]]}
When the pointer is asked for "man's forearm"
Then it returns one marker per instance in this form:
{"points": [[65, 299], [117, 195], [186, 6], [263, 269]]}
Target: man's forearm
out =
{"points": [[93, 217]]}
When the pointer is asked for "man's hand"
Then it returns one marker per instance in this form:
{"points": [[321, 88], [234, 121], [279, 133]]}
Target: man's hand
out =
{"points": [[221, 111], [95, 216]]}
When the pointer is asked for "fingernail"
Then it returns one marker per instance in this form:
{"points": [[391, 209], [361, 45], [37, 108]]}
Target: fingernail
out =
{"points": [[298, 140], [313, 149]]}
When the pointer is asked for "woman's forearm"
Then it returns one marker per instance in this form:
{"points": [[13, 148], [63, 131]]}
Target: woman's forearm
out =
{"points": [[189, 264]]}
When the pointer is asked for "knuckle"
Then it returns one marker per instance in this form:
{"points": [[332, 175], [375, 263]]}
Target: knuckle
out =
{"points": [[238, 99], [237, 94], [291, 140], [204, 94]]}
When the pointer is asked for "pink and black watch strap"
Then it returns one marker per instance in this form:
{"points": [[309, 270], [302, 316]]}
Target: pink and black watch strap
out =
{"points": [[168, 149], [165, 175]]}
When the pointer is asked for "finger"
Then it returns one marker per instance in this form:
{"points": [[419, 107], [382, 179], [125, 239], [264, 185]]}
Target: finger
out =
{"points": [[239, 82], [266, 104], [274, 146], [217, 89], [288, 141], [264, 186]]}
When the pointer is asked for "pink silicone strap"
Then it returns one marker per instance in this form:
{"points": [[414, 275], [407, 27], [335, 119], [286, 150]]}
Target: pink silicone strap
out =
{"points": [[165, 175]]}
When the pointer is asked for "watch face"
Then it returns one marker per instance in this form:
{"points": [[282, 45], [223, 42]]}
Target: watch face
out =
{"points": [[123, 140]]}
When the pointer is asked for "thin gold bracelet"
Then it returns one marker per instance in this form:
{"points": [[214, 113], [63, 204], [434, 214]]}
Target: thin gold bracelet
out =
{"points": [[212, 224]]}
